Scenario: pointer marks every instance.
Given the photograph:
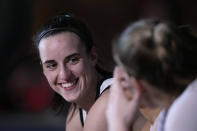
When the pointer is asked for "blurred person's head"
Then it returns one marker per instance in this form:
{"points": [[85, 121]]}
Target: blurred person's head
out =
{"points": [[159, 56]]}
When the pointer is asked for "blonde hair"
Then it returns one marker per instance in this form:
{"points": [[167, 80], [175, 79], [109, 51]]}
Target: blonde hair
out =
{"points": [[158, 52]]}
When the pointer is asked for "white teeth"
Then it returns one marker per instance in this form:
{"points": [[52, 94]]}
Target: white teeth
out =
{"points": [[66, 85]]}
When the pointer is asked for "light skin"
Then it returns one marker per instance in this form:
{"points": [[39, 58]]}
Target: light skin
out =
{"points": [[67, 66], [70, 71], [143, 95], [118, 102]]}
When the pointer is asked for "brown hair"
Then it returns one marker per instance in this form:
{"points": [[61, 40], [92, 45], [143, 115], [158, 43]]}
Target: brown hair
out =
{"points": [[158, 52]]}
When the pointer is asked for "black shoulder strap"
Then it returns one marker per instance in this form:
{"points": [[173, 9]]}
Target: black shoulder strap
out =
{"points": [[98, 89], [97, 95], [106, 75], [81, 116]]}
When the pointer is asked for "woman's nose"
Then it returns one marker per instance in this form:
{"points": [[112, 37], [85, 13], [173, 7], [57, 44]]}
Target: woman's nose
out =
{"points": [[64, 73]]}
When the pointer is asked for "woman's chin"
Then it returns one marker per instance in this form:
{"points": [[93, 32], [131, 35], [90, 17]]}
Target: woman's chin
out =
{"points": [[70, 98]]}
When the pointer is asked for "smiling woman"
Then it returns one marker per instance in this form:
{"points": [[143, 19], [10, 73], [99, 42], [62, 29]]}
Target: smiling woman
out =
{"points": [[65, 65], [69, 63]]}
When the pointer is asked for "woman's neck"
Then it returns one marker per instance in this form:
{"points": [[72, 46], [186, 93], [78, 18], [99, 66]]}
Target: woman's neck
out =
{"points": [[166, 100], [88, 99]]}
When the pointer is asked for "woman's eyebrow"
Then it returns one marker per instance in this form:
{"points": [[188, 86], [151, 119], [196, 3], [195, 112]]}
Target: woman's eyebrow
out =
{"points": [[49, 61]]}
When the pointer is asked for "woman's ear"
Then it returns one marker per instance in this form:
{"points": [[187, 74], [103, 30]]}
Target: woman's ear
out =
{"points": [[93, 56], [138, 84], [129, 84], [141, 86], [135, 86]]}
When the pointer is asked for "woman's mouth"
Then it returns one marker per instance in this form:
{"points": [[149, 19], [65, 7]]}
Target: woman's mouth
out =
{"points": [[69, 85]]}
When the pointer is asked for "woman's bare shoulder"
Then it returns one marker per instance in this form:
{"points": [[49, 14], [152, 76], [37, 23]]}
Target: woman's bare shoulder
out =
{"points": [[96, 120]]}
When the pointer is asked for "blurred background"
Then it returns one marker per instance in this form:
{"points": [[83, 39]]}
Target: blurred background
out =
{"points": [[25, 96]]}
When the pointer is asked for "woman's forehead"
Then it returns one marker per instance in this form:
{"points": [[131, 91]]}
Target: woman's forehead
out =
{"points": [[64, 43], [64, 39]]}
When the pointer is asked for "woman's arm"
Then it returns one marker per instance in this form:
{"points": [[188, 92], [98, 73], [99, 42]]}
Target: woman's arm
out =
{"points": [[96, 120]]}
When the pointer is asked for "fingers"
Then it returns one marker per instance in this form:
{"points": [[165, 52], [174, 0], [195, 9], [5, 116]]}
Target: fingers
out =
{"points": [[126, 86], [123, 82], [119, 85], [122, 98], [117, 74], [117, 79]]}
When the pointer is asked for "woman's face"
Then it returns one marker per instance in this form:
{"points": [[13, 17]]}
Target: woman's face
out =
{"points": [[66, 65]]}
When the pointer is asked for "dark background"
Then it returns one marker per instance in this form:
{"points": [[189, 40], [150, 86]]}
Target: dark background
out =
{"points": [[24, 93]]}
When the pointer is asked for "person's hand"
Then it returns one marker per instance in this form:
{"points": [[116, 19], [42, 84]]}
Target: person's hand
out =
{"points": [[122, 108]]}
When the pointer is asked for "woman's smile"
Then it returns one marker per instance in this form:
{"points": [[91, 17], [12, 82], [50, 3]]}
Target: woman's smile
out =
{"points": [[69, 85]]}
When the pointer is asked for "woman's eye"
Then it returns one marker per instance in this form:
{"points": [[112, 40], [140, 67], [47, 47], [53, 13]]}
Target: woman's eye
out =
{"points": [[74, 60], [51, 66]]}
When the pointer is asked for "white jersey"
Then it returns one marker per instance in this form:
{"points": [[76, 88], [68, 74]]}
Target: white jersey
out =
{"points": [[158, 124], [182, 115]]}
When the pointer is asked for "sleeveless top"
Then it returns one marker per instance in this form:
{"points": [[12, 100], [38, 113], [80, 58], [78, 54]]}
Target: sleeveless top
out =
{"points": [[102, 86]]}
